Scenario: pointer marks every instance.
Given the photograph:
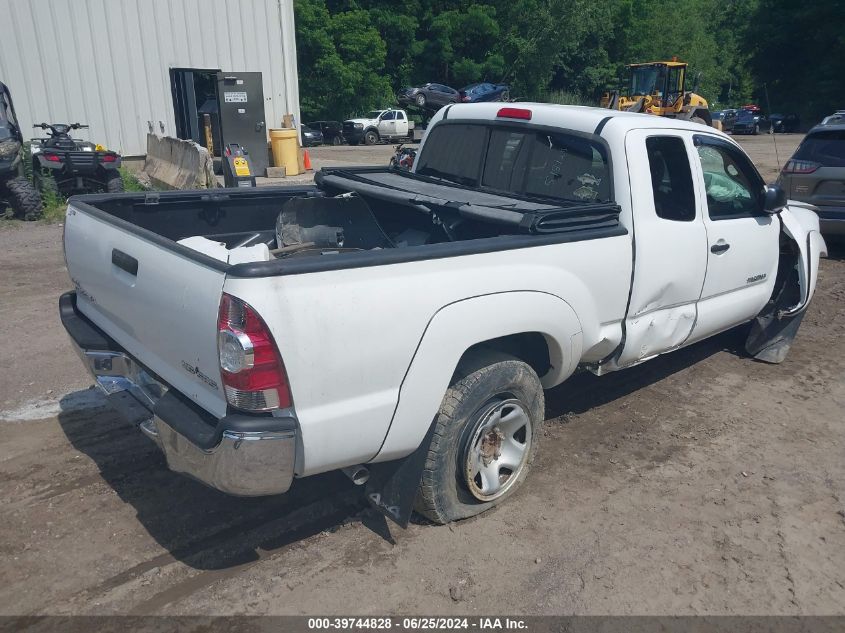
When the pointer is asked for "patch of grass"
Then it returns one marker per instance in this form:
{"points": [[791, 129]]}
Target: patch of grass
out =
{"points": [[130, 182], [566, 97], [53, 202]]}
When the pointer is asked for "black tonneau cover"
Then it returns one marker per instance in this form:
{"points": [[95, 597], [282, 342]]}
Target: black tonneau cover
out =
{"points": [[522, 213]]}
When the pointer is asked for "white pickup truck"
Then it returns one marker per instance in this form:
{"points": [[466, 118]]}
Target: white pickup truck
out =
{"points": [[377, 126], [402, 326]]}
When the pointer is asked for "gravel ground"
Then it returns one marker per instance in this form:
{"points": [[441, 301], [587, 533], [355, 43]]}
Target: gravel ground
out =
{"points": [[700, 482]]}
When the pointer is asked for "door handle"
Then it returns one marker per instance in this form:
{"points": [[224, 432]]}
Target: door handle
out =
{"points": [[125, 262], [719, 248]]}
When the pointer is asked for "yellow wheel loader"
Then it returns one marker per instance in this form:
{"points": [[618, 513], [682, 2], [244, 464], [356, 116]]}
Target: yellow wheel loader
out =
{"points": [[659, 88]]}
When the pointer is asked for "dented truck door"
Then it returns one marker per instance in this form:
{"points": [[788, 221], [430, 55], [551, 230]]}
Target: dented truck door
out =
{"points": [[742, 240], [671, 243]]}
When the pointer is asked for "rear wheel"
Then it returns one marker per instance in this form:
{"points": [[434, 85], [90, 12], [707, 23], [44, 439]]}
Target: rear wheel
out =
{"points": [[25, 199], [114, 183], [337, 140], [371, 137], [420, 99], [485, 438]]}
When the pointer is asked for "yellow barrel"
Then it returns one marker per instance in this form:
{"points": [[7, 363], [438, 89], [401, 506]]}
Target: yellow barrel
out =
{"points": [[285, 146]]}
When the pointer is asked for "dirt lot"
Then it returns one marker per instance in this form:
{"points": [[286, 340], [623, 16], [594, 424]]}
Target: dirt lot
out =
{"points": [[700, 482]]}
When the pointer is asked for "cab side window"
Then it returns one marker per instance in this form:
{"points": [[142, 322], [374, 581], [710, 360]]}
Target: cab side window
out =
{"points": [[671, 178], [733, 186]]}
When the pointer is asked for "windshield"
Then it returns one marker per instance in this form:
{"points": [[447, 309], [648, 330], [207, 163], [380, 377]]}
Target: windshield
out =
{"points": [[374, 114], [531, 162], [644, 80]]}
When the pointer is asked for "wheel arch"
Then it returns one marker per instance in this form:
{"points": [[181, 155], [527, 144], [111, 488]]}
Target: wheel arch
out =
{"points": [[537, 327]]}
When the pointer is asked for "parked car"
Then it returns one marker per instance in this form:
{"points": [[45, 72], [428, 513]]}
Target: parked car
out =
{"points": [[311, 137], [726, 117], [816, 174], [332, 131], [408, 331], [836, 117], [377, 126], [749, 122], [474, 93], [429, 96], [784, 123]]}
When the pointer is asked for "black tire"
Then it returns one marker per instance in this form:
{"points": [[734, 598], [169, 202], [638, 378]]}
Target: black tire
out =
{"points": [[392, 163], [371, 137], [336, 140], [698, 119], [420, 100], [485, 383], [114, 183], [25, 199]]}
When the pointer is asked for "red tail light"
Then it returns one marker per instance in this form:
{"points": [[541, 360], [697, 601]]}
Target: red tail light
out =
{"points": [[251, 368], [466, 98], [53, 158], [108, 158], [514, 113], [800, 166]]}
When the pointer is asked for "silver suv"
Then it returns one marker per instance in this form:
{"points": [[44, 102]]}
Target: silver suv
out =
{"points": [[816, 174]]}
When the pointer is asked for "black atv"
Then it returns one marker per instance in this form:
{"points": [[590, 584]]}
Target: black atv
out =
{"points": [[76, 166], [16, 190]]}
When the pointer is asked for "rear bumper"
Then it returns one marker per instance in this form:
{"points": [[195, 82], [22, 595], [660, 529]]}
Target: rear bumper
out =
{"points": [[243, 455], [832, 220]]}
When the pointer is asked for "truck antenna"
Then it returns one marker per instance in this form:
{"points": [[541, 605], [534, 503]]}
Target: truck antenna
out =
{"points": [[771, 124]]}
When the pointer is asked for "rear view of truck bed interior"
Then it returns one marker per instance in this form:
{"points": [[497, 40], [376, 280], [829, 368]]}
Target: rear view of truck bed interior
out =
{"points": [[357, 209]]}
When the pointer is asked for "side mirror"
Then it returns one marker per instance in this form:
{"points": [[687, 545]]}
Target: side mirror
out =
{"points": [[774, 199]]}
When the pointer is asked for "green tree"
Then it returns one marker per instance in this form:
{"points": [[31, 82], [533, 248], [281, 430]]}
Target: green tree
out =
{"points": [[796, 52]]}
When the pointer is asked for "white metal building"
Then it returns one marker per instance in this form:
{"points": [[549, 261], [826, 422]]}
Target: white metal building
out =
{"points": [[109, 63]]}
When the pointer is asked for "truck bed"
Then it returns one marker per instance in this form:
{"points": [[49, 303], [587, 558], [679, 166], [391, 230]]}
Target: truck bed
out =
{"points": [[422, 217], [421, 247]]}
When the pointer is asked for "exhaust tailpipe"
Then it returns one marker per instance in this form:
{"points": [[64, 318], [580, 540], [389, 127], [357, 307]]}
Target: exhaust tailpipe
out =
{"points": [[358, 474]]}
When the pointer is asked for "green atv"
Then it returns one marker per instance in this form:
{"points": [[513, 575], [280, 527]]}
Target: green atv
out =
{"points": [[16, 190]]}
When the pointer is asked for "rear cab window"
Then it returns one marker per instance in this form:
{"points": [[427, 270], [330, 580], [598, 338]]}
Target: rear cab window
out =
{"points": [[671, 178], [559, 165]]}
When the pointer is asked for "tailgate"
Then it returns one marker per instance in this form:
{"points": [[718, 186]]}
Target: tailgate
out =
{"points": [[158, 304]]}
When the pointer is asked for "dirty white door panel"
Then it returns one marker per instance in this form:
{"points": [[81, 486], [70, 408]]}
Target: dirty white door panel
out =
{"points": [[671, 251]]}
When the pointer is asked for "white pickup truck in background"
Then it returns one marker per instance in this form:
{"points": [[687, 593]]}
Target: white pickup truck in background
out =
{"points": [[403, 325], [377, 126]]}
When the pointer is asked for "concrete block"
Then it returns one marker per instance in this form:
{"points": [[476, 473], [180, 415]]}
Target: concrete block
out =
{"points": [[276, 172], [174, 163]]}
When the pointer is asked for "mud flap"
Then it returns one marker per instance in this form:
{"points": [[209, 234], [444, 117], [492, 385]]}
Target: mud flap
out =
{"points": [[392, 486], [771, 336]]}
